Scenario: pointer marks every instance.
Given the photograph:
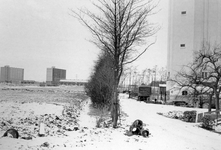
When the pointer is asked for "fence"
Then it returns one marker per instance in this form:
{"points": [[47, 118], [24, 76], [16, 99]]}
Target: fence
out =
{"points": [[213, 114]]}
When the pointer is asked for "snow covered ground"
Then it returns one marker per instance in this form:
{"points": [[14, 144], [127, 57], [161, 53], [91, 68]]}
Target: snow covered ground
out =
{"points": [[166, 133], [170, 134]]}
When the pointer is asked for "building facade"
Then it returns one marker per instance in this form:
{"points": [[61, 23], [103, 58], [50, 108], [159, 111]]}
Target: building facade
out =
{"points": [[191, 24], [75, 82], [54, 75], [11, 74]]}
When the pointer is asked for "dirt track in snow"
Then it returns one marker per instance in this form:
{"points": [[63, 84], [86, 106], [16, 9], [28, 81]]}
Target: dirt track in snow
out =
{"points": [[171, 134]]}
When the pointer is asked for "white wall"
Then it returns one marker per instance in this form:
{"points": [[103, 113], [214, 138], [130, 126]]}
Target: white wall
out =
{"points": [[202, 22]]}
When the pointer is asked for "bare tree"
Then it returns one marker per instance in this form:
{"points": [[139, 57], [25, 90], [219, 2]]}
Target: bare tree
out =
{"points": [[188, 78], [119, 29], [205, 72], [163, 74], [208, 61]]}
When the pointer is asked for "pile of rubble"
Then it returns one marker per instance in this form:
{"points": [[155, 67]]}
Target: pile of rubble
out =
{"points": [[187, 116], [138, 128], [174, 114], [29, 127]]}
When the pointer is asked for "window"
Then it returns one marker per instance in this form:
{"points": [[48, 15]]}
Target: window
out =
{"points": [[168, 75], [184, 92], [182, 45], [183, 12], [204, 74]]}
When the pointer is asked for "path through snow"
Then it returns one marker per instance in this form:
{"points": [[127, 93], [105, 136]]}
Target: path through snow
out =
{"points": [[85, 119], [167, 133]]}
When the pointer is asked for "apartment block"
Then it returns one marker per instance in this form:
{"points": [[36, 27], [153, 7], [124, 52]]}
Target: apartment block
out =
{"points": [[11, 74], [54, 75]]}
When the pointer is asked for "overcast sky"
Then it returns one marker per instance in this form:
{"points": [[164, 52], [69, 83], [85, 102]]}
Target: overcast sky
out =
{"points": [[38, 34]]}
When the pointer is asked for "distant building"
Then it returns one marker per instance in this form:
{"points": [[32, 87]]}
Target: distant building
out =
{"points": [[54, 75], [11, 74], [28, 82], [191, 22], [158, 89], [157, 83], [76, 82]]}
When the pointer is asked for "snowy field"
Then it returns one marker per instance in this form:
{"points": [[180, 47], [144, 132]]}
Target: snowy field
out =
{"points": [[166, 133]]}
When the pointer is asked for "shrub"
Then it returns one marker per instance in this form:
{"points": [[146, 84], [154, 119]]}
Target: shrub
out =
{"points": [[102, 113], [99, 122], [100, 84], [207, 122], [189, 116]]}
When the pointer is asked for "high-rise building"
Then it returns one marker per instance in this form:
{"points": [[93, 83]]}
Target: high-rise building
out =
{"points": [[54, 75], [11, 74], [191, 23]]}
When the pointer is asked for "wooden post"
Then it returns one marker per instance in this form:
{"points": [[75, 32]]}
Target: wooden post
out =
{"points": [[196, 117], [42, 129]]}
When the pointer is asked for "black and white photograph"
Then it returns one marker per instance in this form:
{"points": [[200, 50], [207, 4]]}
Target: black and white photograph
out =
{"points": [[110, 74]]}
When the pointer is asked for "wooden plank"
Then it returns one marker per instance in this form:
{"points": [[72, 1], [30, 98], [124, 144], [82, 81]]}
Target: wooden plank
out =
{"points": [[199, 117], [42, 129], [218, 121]]}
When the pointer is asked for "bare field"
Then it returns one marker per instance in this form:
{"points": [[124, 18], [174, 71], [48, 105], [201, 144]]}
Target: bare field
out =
{"points": [[23, 94], [25, 107]]}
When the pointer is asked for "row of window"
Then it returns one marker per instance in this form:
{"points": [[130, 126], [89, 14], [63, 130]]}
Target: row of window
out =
{"points": [[205, 74], [183, 45], [183, 12], [183, 92]]}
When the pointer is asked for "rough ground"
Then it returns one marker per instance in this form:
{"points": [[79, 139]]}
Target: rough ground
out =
{"points": [[70, 124]]}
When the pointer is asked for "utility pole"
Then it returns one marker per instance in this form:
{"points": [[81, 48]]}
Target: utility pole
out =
{"points": [[130, 81], [155, 71]]}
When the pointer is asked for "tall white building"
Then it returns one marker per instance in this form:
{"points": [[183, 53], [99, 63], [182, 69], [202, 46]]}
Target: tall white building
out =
{"points": [[54, 75], [11, 74], [191, 22]]}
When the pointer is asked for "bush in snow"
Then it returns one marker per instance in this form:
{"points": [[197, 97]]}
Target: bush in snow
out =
{"points": [[173, 114], [99, 122], [100, 84], [189, 116], [103, 114], [207, 122]]}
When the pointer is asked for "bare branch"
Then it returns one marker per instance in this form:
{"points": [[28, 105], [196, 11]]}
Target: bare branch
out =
{"points": [[140, 53]]}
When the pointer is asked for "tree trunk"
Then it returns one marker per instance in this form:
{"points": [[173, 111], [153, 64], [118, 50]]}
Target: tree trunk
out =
{"points": [[115, 103], [115, 109], [210, 102], [217, 104]]}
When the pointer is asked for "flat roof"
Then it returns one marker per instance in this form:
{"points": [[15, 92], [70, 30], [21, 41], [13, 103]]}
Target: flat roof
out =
{"points": [[73, 80]]}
